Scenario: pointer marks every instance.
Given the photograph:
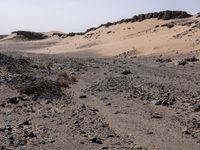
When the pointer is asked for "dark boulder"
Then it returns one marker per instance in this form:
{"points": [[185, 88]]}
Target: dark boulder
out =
{"points": [[166, 15], [126, 72], [196, 107], [155, 15], [13, 100], [141, 17], [149, 16], [83, 96], [135, 18]]}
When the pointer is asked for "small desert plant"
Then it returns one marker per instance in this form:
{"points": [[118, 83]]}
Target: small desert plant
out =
{"points": [[73, 79], [46, 66], [65, 80]]}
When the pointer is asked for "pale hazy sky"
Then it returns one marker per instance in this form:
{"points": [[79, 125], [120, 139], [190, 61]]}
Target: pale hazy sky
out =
{"points": [[78, 15]]}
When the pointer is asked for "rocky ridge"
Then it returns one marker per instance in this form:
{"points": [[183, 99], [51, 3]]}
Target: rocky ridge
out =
{"points": [[162, 15]]}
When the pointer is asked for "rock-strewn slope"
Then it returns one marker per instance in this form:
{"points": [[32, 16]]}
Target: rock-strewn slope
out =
{"points": [[117, 103]]}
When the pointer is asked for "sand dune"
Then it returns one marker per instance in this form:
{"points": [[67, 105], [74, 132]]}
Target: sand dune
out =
{"points": [[147, 37]]}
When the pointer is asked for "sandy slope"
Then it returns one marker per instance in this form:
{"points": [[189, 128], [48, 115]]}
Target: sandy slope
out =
{"points": [[143, 37]]}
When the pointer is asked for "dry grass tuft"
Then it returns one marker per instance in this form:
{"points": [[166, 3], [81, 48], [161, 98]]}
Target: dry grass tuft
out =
{"points": [[64, 79]]}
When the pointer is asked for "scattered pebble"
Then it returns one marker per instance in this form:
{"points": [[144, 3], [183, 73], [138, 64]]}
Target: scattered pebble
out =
{"points": [[156, 116], [105, 147], [186, 131], [83, 96], [96, 140], [13, 100], [126, 72], [196, 107], [156, 102]]}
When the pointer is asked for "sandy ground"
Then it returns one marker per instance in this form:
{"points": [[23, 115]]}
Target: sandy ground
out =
{"points": [[146, 96]]}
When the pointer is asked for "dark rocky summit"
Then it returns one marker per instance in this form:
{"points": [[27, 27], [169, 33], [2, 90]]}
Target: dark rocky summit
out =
{"points": [[163, 15], [28, 35], [167, 15]]}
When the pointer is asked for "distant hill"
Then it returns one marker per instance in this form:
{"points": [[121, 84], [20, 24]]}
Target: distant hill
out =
{"points": [[3, 36]]}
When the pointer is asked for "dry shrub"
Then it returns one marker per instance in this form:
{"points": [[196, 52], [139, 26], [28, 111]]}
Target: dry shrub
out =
{"points": [[46, 66], [73, 79], [65, 80]]}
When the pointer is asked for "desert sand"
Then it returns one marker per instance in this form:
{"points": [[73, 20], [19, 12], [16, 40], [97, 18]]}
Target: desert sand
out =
{"points": [[130, 85]]}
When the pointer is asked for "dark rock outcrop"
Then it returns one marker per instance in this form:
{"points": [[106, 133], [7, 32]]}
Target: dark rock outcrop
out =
{"points": [[28, 35], [163, 15], [167, 15], [198, 14]]}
